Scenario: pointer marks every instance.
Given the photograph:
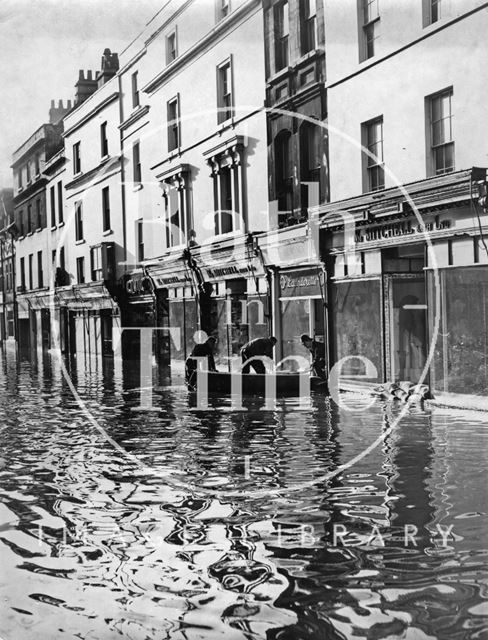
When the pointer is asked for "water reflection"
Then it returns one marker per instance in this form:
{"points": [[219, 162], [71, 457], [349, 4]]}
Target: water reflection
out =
{"points": [[98, 544]]}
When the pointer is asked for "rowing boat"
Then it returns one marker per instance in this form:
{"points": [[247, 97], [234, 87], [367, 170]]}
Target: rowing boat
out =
{"points": [[287, 383]]}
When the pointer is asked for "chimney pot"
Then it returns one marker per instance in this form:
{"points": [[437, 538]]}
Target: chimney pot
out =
{"points": [[60, 104], [81, 75], [89, 75], [52, 104]]}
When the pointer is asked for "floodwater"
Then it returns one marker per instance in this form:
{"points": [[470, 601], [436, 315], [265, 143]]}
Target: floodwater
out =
{"points": [[188, 524]]}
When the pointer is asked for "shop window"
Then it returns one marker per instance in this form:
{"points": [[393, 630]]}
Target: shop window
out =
{"points": [[52, 196], [460, 364], [78, 221], [284, 172], [60, 202], [80, 270], [103, 140], [107, 332], [173, 114], [96, 265], [369, 19], [225, 101], [40, 272], [135, 90], [171, 51], [357, 325], [308, 19], [373, 165], [441, 141], [106, 208], [281, 33], [76, 158]]}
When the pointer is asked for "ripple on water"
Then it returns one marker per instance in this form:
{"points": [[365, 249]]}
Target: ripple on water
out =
{"points": [[97, 544]]}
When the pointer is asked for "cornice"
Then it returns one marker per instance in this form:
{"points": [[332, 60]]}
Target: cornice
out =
{"points": [[141, 111], [218, 31], [90, 114]]}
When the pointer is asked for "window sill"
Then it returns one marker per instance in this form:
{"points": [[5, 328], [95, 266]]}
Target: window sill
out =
{"points": [[278, 75], [21, 237], [29, 234], [226, 124], [39, 229], [77, 175], [105, 157], [107, 232], [54, 227], [80, 241], [61, 224], [137, 187]]}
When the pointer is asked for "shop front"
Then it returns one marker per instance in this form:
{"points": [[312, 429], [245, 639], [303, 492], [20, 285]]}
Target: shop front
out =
{"points": [[234, 305], [302, 309], [298, 286], [408, 294]]}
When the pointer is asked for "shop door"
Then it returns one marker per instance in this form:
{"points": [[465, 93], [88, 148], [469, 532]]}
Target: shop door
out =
{"points": [[406, 327]]}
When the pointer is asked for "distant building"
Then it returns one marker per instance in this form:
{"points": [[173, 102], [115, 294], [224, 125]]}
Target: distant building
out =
{"points": [[32, 246], [93, 215], [7, 265]]}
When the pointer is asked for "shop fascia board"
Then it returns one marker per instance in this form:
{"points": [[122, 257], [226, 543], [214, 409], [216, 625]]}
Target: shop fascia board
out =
{"points": [[392, 202]]}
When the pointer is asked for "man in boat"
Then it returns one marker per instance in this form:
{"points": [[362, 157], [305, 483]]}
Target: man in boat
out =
{"points": [[317, 349], [201, 350], [254, 348]]}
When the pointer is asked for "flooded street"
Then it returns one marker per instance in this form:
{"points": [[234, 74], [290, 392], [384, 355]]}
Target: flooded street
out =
{"points": [[186, 524]]}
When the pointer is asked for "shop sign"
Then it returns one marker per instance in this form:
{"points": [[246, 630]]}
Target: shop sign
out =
{"points": [[233, 270], [305, 282], [398, 229], [139, 284], [170, 279]]}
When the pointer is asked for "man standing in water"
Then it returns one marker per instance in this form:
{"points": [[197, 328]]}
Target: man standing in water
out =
{"points": [[317, 349], [201, 350], [257, 347]]}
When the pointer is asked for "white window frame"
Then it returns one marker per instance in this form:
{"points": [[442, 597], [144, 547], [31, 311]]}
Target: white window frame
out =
{"points": [[447, 141], [174, 124], [225, 112], [169, 50], [372, 166]]}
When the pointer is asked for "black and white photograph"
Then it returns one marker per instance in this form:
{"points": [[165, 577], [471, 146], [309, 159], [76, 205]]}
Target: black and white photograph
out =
{"points": [[243, 320]]}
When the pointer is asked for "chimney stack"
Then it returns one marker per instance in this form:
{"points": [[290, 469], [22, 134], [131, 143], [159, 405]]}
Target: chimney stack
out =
{"points": [[110, 66], [57, 113], [84, 87]]}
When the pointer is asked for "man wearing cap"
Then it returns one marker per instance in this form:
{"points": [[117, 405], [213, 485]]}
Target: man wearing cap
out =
{"points": [[317, 349], [257, 347]]}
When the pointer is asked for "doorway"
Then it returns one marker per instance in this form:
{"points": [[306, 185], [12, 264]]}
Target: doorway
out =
{"points": [[406, 326]]}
